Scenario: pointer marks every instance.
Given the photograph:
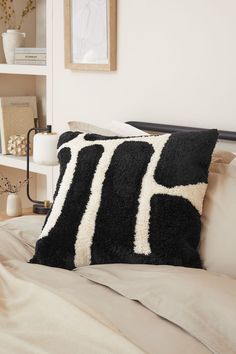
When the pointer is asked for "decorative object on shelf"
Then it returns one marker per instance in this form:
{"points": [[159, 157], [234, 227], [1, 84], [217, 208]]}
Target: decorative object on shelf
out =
{"points": [[45, 148], [17, 145], [13, 38], [90, 34], [13, 207], [16, 117], [44, 153], [30, 56]]}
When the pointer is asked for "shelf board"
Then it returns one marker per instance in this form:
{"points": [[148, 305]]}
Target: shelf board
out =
{"points": [[20, 163], [39, 70]]}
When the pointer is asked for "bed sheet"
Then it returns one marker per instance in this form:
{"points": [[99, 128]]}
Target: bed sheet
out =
{"points": [[51, 310]]}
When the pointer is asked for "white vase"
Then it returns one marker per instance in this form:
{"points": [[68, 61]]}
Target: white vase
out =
{"points": [[12, 39], [14, 207]]}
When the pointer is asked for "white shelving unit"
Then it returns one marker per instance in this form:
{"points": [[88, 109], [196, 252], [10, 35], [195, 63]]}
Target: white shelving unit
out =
{"points": [[37, 70], [23, 80], [20, 163]]}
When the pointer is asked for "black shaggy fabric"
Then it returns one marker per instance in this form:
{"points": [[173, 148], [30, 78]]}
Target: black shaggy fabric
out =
{"points": [[127, 200], [184, 160], [181, 221], [66, 137], [119, 203], [57, 250], [64, 157]]}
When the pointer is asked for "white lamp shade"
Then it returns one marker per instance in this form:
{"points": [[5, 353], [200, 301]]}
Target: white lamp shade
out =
{"points": [[45, 149]]}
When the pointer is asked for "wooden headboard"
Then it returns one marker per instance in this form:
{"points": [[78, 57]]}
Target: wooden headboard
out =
{"points": [[166, 128]]}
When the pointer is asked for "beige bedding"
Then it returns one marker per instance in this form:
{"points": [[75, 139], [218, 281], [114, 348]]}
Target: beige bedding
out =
{"points": [[49, 310]]}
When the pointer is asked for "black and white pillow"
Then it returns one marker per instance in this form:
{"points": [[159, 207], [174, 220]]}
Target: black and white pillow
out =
{"points": [[127, 200]]}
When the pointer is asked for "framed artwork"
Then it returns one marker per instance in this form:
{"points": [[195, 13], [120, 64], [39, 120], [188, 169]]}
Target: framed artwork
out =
{"points": [[90, 34]]}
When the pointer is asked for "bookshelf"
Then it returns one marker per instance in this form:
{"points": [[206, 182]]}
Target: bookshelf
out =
{"points": [[19, 162], [32, 80], [36, 70]]}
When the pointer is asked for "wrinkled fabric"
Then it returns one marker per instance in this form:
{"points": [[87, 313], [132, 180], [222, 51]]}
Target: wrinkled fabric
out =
{"points": [[200, 302], [52, 310]]}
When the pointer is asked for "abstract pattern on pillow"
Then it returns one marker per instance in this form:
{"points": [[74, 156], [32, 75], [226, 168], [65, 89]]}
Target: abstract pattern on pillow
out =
{"points": [[127, 200]]}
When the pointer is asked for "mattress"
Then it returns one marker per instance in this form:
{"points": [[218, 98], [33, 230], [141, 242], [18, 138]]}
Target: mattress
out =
{"points": [[116, 308]]}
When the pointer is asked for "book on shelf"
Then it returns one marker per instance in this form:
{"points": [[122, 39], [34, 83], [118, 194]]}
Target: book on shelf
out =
{"points": [[30, 56], [16, 117], [23, 50], [30, 62]]}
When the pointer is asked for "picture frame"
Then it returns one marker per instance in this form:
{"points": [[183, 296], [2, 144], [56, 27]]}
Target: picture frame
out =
{"points": [[90, 34]]}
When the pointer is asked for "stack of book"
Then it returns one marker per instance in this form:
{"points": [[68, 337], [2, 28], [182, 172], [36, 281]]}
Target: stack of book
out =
{"points": [[30, 56]]}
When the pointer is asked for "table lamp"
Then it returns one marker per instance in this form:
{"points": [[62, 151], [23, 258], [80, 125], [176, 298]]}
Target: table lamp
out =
{"points": [[44, 153]]}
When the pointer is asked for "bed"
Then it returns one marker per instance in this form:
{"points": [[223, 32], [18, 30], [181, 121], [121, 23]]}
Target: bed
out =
{"points": [[112, 308]]}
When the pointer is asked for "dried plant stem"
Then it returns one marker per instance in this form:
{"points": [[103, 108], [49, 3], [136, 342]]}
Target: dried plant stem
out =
{"points": [[8, 14], [7, 187], [30, 6]]}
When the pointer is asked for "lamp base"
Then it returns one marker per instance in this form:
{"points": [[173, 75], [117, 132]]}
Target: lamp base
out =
{"points": [[40, 209]]}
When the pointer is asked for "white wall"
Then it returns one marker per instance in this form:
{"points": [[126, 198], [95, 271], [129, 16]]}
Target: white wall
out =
{"points": [[176, 65]]}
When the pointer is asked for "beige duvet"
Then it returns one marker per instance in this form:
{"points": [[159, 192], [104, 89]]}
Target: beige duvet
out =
{"points": [[109, 308]]}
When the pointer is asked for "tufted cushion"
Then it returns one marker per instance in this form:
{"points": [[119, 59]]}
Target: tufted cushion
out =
{"points": [[127, 200]]}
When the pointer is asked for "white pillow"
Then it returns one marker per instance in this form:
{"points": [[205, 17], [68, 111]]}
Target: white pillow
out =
{"points": [[218, 236], [84, 127], [113, 128], [124, 129]]}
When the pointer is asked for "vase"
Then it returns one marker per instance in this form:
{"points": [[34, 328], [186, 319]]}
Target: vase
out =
{"points": [[14, 207], [12, 39]]}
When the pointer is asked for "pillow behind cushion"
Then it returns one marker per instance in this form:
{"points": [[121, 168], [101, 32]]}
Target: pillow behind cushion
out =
{"points": [[84, 127], [115, 128], [218, 236], [127, 200]]}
